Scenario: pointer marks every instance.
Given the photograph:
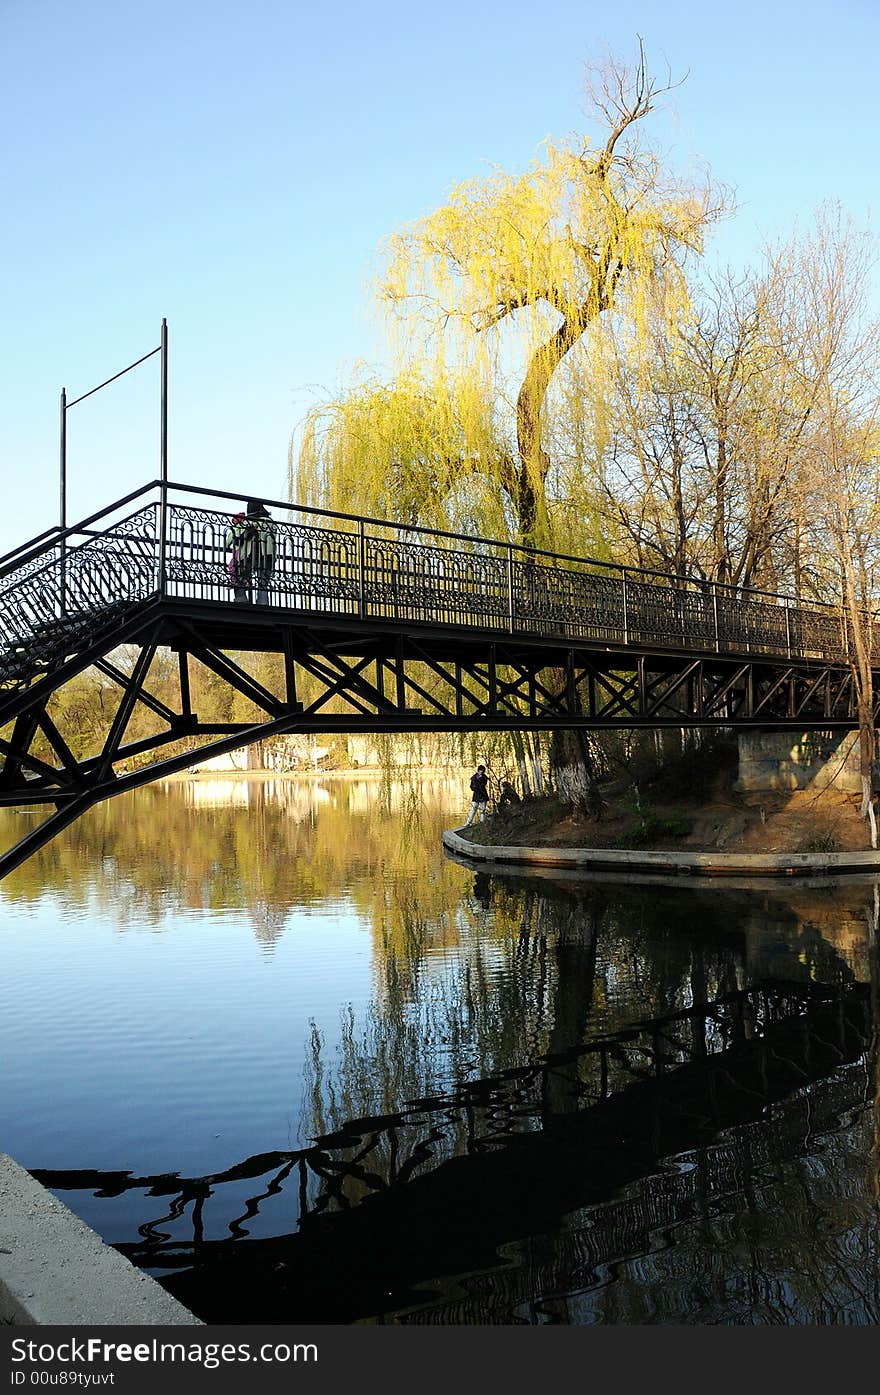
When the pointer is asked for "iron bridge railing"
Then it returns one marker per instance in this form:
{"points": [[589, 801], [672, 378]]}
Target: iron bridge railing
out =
{"points": [[176, 545]]}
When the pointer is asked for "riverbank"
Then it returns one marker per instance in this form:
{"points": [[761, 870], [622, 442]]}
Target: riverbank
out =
{"points": [[620, 861], [55, 1271], [721, 833], [366, 772]]}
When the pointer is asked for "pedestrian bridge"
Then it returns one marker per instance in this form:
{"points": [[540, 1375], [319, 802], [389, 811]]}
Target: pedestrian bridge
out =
{"points": [[379, 626]]}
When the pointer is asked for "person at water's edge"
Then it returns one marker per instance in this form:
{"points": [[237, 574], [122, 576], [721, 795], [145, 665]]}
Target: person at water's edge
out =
{"points": [[480, 794]]}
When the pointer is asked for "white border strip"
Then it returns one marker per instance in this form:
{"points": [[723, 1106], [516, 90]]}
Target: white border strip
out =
{"points": [[714, 864]]}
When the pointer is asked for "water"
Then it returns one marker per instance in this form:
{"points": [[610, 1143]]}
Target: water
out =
{"points": [[536, 1099]]}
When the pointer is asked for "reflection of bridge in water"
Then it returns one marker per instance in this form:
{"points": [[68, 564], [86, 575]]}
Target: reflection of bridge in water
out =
{"points": [[378, 627], [436, 1189]]}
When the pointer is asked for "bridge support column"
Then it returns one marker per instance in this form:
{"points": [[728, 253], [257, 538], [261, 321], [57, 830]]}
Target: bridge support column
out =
{"points": [[789, 760]]}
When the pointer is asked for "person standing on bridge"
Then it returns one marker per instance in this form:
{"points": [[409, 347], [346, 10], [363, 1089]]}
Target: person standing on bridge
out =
{"points": [[480, 793], [260, 548], [239, 566], [250, 539]]}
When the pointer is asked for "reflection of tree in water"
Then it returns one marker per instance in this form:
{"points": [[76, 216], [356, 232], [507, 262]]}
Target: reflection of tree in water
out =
{"points": [[442, 1019], [269, 923], [163, 851], [475, 976], [872, 928], [544, 969], [266, 847], [757, 1171]]}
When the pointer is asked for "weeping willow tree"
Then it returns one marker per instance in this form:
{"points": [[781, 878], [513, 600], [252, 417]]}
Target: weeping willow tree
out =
{"points": [[484, 299], [412, 451]]}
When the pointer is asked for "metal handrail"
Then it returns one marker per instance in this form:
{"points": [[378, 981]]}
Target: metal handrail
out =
{"points": [[420, 574], [62, 534], [14, 554], [619, 567], [367, 520]]}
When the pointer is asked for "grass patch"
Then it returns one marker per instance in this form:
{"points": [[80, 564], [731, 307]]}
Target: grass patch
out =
{"points": [[820, 843], [655, 826]]}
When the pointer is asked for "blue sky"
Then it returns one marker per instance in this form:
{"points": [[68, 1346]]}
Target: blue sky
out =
{"points": [[234, 167]]}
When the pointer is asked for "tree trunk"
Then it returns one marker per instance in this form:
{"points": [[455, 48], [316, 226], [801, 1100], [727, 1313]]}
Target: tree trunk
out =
{"points": [[534, 462], [519, 753], [574, 773], [535, 753], [867, 751]]}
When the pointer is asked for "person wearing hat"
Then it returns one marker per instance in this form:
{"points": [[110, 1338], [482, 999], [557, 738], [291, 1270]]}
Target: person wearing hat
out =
{"points": [[259, 548]]}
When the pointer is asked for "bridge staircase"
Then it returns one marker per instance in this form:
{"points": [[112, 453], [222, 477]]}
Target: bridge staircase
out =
{"points": [[58, 600]]}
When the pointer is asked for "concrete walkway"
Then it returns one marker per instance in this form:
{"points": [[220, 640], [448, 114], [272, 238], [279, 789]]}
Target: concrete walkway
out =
{"points": [[55, 1271], [685, 864]]}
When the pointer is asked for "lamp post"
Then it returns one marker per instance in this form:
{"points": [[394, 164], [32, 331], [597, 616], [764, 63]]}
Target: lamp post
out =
{"points": [[163, 453]]}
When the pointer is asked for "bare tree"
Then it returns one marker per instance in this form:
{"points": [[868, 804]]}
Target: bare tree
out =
{"points": [[842, 486], [703, 435]]}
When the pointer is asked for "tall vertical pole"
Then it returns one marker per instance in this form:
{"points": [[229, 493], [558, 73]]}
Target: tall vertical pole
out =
{"points": [[163, 456], [362, 570], [625, 608], [62, 489]]}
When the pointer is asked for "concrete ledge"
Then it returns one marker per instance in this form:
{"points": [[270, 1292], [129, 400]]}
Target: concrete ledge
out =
{"points": [[55, 1271], [715, 864]]}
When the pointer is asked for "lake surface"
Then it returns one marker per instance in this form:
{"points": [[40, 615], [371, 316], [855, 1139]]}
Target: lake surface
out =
{"points": [[266, 1039]]}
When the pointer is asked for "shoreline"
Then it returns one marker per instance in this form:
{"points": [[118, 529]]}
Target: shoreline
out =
{"points": [[367, 772], [681, 865]]}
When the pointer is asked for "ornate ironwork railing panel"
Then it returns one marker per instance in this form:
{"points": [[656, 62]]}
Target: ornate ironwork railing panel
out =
{"points": [[566, 600], [752, 626], [50, 604], [666, 610], [313, 568], [821, 634], [371, 570], [435, 585]]}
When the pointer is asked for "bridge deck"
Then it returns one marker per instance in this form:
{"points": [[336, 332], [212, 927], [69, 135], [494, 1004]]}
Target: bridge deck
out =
{"points": [[330, 566]]}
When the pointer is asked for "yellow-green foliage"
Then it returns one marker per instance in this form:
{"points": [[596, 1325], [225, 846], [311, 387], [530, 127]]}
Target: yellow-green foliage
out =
{"points": [[557, 239], [402, 451], [484, 300]]}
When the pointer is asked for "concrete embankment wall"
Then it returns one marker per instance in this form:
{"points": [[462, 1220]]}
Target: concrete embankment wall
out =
{"points": [[709, 864], [780, 760], [55, 1271]]}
